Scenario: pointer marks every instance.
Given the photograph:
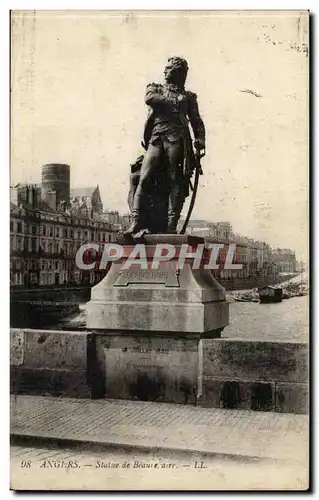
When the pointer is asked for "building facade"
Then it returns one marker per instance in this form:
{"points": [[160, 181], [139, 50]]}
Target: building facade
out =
{"points": [[257, 257], [285, 260], [47, 227], [44, 245]]}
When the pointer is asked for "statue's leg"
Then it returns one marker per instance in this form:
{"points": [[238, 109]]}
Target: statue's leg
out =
{"points": [[140, 209], [174, 152]]}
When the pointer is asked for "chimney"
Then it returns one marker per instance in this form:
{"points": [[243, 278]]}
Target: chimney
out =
{"points": [[32, 195], [14, 195]]}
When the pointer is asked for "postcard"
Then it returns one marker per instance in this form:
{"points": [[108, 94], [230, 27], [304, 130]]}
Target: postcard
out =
{"points": [[159, 250]]}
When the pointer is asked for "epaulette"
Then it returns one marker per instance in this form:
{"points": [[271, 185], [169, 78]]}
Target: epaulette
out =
{"points": [[191, 95], [157, 85]]}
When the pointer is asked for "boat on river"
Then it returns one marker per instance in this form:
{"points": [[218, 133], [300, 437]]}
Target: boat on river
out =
{"points": [[270, 294]]}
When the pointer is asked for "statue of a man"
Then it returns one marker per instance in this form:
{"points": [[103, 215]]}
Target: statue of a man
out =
{"points": [[168, 143]]}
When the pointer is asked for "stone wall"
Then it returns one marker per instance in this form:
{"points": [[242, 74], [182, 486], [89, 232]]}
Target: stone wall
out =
{"points": [[219, 373], [50, 362], [254, 375]]}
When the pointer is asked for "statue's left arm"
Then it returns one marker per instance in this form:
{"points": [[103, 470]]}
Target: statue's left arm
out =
{"points": [[196, 121]]}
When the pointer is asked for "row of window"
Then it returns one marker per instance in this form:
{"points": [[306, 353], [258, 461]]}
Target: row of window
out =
{"points": [[66, 233], [227, 274], [57, 265], [51, 278], [48, 264], [16, 279], [16, 264], [49, 230], [19, 243], [64, 277], [16, 226]]}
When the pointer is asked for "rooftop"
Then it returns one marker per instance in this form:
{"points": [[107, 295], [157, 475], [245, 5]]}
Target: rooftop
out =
{"points": [[85, 191]]}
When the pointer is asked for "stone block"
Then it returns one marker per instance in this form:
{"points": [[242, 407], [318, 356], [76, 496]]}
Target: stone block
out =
{"points": [[150, 368], [158, 316], [292, 398], [16, 347], [237, 394], [255, 360], [53, 382], [51, 362], [50, 348]]}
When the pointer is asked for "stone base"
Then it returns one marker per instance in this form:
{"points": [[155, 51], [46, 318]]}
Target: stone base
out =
{"points": [[167, 299], [150, 368]]}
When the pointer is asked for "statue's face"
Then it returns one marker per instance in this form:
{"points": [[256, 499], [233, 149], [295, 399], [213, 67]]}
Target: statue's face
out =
{"points": [[175, 73], [170, 73]]}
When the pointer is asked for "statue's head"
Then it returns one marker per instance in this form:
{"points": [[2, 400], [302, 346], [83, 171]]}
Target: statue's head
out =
{"points": [[176, 71]]}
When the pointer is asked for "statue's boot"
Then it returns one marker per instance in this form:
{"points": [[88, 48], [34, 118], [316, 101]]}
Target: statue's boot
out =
{"points": [[138, 220], [174, 209], [136, 224]]}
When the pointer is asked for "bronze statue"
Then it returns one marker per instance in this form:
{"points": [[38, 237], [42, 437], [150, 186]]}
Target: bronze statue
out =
{"points": [[160, 179]]}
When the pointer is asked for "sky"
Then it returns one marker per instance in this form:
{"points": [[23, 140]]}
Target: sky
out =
{"points": [[77, 96]]}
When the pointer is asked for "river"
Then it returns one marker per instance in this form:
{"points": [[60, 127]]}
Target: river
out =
{"points": [[286, 321]]}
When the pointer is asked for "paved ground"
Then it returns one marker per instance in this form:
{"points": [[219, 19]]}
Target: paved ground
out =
{"points": [[87, 467], [146, 425]]}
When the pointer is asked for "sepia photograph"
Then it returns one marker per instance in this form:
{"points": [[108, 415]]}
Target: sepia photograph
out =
{"points": [[159, 241]]}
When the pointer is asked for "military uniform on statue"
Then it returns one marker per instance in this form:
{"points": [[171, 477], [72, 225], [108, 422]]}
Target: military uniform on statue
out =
{"points": [[168, 144]]}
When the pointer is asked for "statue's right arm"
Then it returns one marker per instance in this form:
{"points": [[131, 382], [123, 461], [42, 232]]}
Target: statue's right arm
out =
{"points": [[155, 96]]}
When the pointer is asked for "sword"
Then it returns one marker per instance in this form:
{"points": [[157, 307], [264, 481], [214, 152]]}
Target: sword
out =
{"points": [[198, 172]]}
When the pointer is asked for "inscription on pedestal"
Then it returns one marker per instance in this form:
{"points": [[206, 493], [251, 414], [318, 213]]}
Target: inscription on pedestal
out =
{"points": [[168, 277], [150, 369], [146, 357]]}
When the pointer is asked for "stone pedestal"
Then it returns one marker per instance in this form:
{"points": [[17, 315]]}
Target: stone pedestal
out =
{"points": [[148, 368], [148, 324]]}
